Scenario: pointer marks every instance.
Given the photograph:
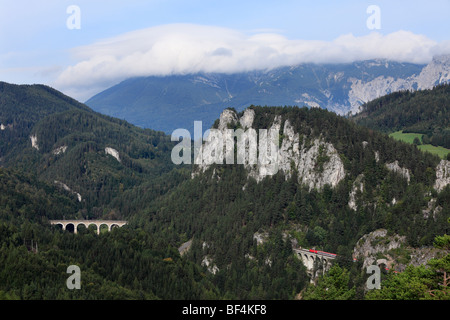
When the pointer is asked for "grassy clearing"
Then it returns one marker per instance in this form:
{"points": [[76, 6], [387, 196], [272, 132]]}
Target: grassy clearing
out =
{"points": [[440, 151], [409, 138], [406, 137]]}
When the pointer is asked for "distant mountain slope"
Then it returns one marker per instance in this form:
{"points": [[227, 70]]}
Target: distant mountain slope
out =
{"points": [[21, 107], [426, 112], [94, 158], [170, 102], [32, 102]]}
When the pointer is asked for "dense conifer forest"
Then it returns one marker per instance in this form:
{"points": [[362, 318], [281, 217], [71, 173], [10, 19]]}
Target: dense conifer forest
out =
{"points": [[220, 211]]}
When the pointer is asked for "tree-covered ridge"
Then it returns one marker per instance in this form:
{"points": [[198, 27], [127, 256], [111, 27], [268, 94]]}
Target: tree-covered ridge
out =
{"points": [[357, 146], [223, 209], [63, 142], [242, 231], [358, 157], [99, 177], [425, 111], [21, 107], [24, 198], [123, 264], [31, 103]]}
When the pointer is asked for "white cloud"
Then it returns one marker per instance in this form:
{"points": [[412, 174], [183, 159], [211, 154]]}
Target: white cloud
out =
{"points": [[187, 48]]}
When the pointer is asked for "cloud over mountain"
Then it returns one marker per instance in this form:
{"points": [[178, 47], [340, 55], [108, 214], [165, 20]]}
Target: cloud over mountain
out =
{"points": [[188, 48]]}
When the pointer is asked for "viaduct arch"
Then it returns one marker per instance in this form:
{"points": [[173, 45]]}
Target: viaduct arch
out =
{"points": [[75, 223], [315, 263]]}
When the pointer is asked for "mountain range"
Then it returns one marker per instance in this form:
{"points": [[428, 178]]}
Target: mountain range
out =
{"points": [[175, 101]]}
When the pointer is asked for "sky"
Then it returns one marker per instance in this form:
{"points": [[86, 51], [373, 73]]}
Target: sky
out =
{"points": [[82, 47]]}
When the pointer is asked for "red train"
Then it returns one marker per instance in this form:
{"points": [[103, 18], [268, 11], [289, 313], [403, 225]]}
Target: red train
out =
{"points": [[323, 253], [334, 255]]}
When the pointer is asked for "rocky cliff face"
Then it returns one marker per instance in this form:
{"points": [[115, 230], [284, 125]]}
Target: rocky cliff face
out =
{"points": [[442, 175], [371, 245], [113, 152], [357, 187], [362, 92], [316, 161], [436, 72], [395, 167], [317, 164], [65, 187], [34, 142], [59, 150], [378, 247]]}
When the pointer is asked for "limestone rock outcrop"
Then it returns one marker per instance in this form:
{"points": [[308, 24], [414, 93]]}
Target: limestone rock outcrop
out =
{"points": [[316, 161], [395, 167], [113, 152], [391, 250], [358, 186], [442, 175], [34, 142]]}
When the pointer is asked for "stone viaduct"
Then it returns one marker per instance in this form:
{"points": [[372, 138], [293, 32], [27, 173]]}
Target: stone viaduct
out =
{"points": [[75, 223], [316, 263]]}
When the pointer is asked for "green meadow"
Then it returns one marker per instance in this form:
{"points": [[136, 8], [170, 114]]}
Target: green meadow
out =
{"points": [[409, 138]]}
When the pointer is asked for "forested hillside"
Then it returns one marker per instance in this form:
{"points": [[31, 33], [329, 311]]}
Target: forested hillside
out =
{"points": [[24, 106], [238, 227], [69, 150], [224, 210], [126, 263], [425, 111], [63, 142]]}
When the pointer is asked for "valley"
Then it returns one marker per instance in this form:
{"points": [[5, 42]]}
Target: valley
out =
{"points": [[218, 230], [224, 158]]}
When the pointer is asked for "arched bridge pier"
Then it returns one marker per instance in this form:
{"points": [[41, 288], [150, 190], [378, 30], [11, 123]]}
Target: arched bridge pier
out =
{"points": [[75, 223], [316, 262]]}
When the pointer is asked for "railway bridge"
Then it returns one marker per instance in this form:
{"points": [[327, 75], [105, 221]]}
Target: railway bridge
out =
{"points": [[316, 262], [72, 225]]}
